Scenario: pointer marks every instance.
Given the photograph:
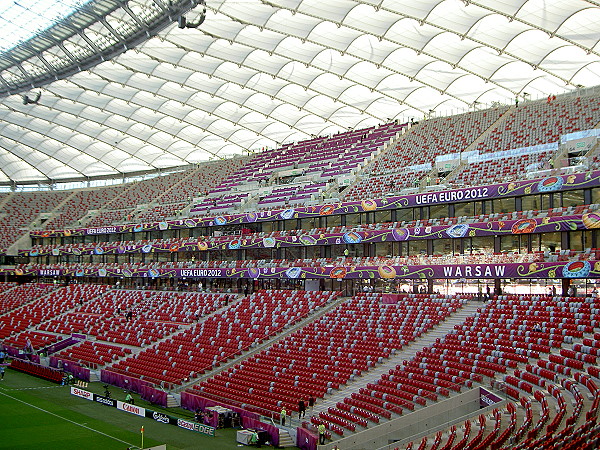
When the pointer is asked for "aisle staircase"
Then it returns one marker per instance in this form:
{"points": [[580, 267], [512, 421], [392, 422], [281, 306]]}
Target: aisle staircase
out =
{"points": [[285, 440]]}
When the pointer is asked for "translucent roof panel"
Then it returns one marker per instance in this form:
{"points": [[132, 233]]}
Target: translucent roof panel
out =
{"points": [[122, 88], [23, 19]]}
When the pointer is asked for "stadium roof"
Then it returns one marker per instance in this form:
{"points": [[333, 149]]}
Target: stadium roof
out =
{"points": [[124, 89]]}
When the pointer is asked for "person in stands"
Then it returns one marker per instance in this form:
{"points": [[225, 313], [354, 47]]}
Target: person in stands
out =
{"points": [[311, 402], [283, 414], [321, 429], [301, 409]]}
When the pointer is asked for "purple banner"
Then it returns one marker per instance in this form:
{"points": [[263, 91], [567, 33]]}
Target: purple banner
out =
{"points": [[306, 439], [487, 398], [572, 269], [144, 388], [516, 188], [494, 228]]}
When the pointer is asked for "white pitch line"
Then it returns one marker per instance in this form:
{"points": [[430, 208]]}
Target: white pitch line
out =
{"points": [[32, 388], [68, 420]]}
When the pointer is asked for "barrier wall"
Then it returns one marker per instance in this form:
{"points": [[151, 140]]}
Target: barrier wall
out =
{"points": [[411, 425]]}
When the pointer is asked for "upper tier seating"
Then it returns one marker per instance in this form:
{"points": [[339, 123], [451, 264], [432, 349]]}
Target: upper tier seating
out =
{"points": [[434, 137], [501, 169], [322, 158], [22, 209], [540, 122], [79, 203], [384, 185]]}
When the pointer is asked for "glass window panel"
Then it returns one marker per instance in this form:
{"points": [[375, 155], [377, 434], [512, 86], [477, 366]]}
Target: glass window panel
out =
{"points": [[576, 241], [535, 242], [417, 247], [438, 211], [313, 252], [531, 202], [482, 244], [510, 243], [546, 203], [291, 224], [268, 227], [478, 208], [572, 198], [308, 223], [334, 221], [503, 205], [404, 215], [353, 220], [443, 246], [596, 195], [551, 241], [384, 249], [383, 216]]}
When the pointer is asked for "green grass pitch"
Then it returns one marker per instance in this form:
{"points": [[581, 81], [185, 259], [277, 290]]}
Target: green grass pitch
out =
{"points": [[37, 414]]}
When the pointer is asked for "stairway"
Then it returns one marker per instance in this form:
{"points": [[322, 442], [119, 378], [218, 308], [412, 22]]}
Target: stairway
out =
{"points": [[285, 440], [172, 401]]}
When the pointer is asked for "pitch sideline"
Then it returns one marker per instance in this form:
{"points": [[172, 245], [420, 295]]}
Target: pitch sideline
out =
{"points": [[68, 420]]}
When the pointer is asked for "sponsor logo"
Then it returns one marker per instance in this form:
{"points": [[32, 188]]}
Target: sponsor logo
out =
{"points": [[159, 417], [200, 273], [187, 425], [81, 393], [197, 427], [205, 429], [105, 401], [132, 409]]}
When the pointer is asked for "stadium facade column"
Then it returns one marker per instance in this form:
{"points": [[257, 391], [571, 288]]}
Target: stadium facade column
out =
{"points": [[430, 286], [566, 283], [497, 286]]}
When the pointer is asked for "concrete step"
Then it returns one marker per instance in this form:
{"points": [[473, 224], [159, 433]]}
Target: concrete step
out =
{"points": [[285, 440], [172, 402], [94, 376]]}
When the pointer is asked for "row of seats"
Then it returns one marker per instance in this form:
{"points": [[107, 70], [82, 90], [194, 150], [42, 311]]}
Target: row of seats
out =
{"points": [[325, 354], [222, 336]]}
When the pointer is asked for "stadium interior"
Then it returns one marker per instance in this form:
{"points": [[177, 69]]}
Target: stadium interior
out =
{"points": [[431, 280]]}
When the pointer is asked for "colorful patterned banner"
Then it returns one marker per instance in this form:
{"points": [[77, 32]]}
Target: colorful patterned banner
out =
{"points": [[495, 228], [517, 188], [573, 269]]}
